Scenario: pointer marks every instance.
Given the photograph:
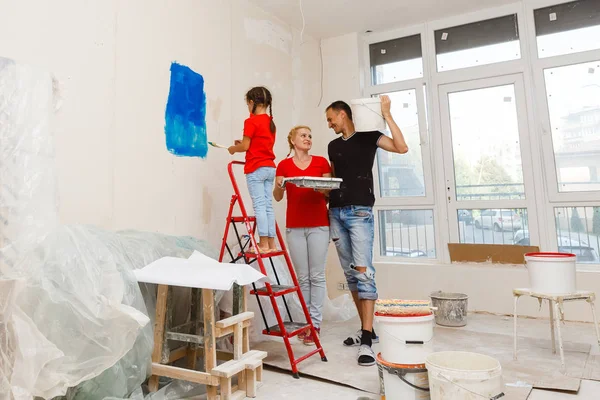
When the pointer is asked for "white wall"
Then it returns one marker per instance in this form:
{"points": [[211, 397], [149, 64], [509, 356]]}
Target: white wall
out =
{"points": [[489, 287], [112, 58]]}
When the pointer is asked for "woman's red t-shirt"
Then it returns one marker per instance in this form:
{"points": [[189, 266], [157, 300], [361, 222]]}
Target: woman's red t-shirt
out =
{"points": [[306, 208]]}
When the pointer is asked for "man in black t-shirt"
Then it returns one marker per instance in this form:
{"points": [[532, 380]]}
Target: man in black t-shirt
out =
{"points": [[351, 211]]}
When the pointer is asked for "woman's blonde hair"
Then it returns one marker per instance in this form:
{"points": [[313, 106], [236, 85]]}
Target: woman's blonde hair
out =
{"points": [[293, 133]]}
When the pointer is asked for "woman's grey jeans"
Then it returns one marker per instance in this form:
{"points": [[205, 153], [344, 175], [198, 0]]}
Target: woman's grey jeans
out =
{"points": [[308, 250]]}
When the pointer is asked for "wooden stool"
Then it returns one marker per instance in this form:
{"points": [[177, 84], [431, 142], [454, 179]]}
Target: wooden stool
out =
{"points": [[555, 303], [246, 364]]}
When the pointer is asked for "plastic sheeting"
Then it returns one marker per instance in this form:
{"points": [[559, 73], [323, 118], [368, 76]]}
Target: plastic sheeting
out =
{"points": [[79, 312], [73, 320]]}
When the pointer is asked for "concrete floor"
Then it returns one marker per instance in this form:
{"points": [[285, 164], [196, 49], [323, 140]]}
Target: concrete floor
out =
{"points": [[280, 385]]}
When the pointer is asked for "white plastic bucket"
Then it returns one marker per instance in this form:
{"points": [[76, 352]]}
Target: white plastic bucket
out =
{"points": [[403, 382], [552, 273], [405, 340], [458, 375], [366, 114]]}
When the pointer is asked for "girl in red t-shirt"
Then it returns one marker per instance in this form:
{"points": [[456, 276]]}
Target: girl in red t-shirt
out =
{"points": [[307, 222], [257, 143]]}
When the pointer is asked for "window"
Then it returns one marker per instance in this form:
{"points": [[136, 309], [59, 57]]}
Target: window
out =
{"points": [[578, 231], [401, 175], [396, 60], [485, 144], [480, 43], [495, 226], [573, 95], [568, 28], [406, 233]]}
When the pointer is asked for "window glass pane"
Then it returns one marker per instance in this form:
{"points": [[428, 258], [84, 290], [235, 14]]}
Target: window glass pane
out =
{"points": [[577, 232], [396, 60], [493, 226], [573, 94], [401, 175], [486, 144], [480, 43], [568, 28], [407, 233]]}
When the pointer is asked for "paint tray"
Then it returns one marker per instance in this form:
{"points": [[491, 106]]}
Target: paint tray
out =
{"points": [[313, 182]]}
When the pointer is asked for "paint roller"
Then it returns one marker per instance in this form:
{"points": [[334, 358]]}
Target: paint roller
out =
{"points": [[404, 308]]}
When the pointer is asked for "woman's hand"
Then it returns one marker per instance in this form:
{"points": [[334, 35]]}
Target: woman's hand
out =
{"points": [[279, 182]]}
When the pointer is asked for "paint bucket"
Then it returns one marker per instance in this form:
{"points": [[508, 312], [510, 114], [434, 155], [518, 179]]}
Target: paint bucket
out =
{"points": [[451, 308], [552, 273], [405, 340], [458, 375], [402, 382], [366, 114]]}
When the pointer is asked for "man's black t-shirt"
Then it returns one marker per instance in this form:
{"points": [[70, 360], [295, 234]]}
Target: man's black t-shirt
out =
{"points": [[352, 160]]}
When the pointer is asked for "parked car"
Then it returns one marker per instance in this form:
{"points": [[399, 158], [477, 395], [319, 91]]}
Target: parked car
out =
{"points": [[498, 220], [401, 252], [466, 216], [581, 249]]}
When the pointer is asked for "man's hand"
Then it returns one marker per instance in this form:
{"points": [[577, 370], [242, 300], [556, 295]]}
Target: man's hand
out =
{"points": [[386, 105]]}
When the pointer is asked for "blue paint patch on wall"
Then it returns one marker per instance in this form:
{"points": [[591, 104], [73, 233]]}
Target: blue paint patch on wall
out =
{"points": [[185, 116]]}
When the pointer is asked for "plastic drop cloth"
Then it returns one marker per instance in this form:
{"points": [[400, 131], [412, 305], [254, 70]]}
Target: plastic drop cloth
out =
{"points": [[81, 314], [73, 320]]}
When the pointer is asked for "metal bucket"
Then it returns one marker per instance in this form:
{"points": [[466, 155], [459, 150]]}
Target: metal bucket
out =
{"points": [[451, 308]]}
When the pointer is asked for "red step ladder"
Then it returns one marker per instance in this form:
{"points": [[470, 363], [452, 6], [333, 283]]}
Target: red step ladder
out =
{"points": [[285, 329]]}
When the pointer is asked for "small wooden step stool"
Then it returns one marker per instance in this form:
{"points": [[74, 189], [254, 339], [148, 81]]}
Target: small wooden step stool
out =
{"points": [[246, 364]]}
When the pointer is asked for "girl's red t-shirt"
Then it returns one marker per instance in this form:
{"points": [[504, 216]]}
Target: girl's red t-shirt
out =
{"points": [[306, 208], [260, 153]]}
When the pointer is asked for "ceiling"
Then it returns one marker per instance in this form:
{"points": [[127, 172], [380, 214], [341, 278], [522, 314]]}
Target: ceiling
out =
{"points": [[328, 18]]}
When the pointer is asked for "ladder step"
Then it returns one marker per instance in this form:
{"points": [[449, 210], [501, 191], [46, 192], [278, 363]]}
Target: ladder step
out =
{"points": [[278, 290], [291, 328], [265, 255], [242, 219]]}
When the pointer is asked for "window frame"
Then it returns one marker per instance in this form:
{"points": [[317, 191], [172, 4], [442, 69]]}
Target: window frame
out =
{"points": [[542, 196], [426, 202], [453, 205], [539, 65]]}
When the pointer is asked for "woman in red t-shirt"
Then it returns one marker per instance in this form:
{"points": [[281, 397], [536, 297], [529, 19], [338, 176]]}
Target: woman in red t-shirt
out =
{"points": [[307, 222]]}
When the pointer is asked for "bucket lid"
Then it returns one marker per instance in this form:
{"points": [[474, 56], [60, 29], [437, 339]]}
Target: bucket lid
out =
{"points": [[367, 100], [405, 318], [550, 255], [388, 364]]}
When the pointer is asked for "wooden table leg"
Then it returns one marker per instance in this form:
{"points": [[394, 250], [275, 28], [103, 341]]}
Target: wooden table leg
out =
{"points": [[210, 356], [159, 331], [550, 306], [591, 301], [560, 343], [196, 311], [515, 328]]}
